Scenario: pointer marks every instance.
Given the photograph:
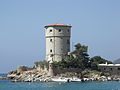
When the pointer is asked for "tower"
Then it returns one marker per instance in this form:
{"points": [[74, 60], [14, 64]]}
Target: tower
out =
{"points": [[57, 41]]}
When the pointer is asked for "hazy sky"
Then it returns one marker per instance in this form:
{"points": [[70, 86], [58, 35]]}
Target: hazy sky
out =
{"points": [[96, 23]]}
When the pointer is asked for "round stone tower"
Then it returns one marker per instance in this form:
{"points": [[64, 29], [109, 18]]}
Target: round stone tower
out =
{"points": [[57, 41]]}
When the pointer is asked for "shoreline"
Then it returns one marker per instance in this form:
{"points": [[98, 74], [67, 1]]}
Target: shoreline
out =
{"points": [[82, 80], [65, 79], [61, 79], [42, 75]]}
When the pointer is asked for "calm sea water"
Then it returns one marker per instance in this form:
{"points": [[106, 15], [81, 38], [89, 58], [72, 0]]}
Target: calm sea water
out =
{"points": [[7, 85]]}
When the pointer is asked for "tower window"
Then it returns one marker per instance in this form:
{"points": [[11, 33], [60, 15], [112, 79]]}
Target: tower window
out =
{"points": [[50, 30], [68, 42], [60, 30], [50, 40], [104, 68], [111, 69], [50, 50], [118, 68], [68, 30]]}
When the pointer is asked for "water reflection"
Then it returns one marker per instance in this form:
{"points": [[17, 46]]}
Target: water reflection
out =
{"points": [[53, 84]]}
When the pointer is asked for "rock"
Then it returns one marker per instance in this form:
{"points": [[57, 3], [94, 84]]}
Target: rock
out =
{"points": [[3, 78], [22, 68], [23, 74], [31, 75]]}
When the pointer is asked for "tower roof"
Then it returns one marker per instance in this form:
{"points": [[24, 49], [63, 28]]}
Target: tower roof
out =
{"points": [[59, 24]]}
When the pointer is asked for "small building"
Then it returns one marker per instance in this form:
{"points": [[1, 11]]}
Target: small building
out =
{"points": [[112, 69]]}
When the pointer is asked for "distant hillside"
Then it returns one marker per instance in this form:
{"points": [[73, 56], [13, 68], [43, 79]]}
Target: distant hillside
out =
{"points": [[117, 61]]}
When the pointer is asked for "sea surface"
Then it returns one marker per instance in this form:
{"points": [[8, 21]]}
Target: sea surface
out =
{"points": [[8, 85]]}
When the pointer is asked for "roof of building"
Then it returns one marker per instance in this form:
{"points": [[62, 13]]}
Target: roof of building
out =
{"points": [[109, 64], [59, 24]]}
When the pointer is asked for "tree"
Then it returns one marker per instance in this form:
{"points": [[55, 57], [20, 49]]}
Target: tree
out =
{"points": [[79, 58], [67, 62], [81, 55], [41, 63]]}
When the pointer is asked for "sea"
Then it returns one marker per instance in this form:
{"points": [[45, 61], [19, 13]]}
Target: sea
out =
{"points": [[8, 85]]}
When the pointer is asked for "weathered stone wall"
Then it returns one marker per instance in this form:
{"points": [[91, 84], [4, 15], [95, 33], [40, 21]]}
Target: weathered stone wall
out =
{"points": [[112, 70], [64, 70]]}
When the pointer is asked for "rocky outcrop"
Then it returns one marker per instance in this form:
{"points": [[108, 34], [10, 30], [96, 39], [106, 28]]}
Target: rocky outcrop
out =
{"points": [[31, 75], [3, 78], [38, 74]]}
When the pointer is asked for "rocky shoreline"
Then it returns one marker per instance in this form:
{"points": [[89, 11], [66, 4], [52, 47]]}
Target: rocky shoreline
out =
{"points": [[41, 75], [50, 79]]}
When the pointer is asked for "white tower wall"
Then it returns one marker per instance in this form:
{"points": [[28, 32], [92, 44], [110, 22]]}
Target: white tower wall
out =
{"points": [[57, 41]]}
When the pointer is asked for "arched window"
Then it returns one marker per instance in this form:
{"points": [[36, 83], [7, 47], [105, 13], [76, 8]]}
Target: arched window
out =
{"points": [[50, 30], [50, 40], [60, 30], [50, 50]]}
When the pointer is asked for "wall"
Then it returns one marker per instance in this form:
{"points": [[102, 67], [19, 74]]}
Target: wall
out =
{"points": [[112, 70], [64, 70]]}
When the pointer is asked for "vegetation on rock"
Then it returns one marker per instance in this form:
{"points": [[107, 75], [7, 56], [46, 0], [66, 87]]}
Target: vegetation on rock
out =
{"points": [[79, 58], [41, 64]]}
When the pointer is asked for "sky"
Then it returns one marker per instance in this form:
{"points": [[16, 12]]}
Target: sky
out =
{"points": [[95, 23]]}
